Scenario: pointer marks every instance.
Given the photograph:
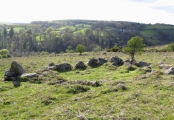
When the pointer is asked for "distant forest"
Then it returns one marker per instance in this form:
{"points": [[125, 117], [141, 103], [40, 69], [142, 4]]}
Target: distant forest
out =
{"points": [[65, 35]]}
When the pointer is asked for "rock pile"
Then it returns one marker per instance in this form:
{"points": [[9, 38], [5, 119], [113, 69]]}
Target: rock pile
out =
{"points": [[14, 72]]}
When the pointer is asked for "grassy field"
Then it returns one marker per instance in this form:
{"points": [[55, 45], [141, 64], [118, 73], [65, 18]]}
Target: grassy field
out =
{"points": [[124, 95]]}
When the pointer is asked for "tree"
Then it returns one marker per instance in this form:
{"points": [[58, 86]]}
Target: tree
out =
{"points": [[11, 32], [80, 48], [134, 45], [5, 32]]}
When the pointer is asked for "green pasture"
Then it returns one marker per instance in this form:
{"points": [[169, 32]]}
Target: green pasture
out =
{"points": [[142, 97]]}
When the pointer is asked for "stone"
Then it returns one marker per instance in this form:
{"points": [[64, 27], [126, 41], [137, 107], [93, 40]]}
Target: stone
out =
{"points": [[95, 62], [63, 67], [170, 71], [51, 64], [147, 69], [164, 66], [117, 61], [101, 61], [80, 65], [30, 75], [14, 72], [142, 64], [16, 68]]}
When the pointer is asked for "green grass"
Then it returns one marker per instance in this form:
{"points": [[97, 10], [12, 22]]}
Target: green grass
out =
{"points": [[143, 98], [160, 27], [17, 29]]}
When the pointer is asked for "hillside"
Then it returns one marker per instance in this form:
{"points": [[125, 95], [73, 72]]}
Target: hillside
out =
{"points": [[57, 36], [124, 93]]}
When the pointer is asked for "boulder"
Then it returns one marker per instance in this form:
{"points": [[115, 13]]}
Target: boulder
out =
{"points": [[80, 65], [170, 71], [16, 68], [101, 61], [117, 61], [14, 72], [142, 64], [32, 77], [63, 67], [95, 62]]}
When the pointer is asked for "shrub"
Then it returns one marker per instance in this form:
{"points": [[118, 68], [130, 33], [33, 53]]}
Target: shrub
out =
{"points": [[170, 47], [4, 53], [44, 53]]}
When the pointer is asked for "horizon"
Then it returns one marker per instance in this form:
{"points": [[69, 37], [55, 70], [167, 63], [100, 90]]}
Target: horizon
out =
{"points": [[139, 11]]}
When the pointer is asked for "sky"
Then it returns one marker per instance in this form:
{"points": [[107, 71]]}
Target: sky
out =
{"points": [[142, 11]]}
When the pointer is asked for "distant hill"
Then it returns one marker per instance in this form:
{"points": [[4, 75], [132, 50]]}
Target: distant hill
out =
{"points": [[61, 35], [153, 34]]}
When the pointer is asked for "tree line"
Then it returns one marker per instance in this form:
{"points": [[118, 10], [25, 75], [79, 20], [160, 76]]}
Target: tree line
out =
{"points": [[64, 36]]}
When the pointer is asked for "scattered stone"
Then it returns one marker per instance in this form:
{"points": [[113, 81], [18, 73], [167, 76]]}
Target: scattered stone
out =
{"points": [[170, 71], [30, 75], [63, 67], [147, 69], [88, 83], [164, 66], [57, 82], [80, 65], [121, 86], [117, 61], [142, 64], [40, 71], [16, 83]]}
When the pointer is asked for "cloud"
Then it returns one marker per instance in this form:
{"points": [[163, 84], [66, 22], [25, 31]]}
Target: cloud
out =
{"points": [[143, 1], [169, 9]]}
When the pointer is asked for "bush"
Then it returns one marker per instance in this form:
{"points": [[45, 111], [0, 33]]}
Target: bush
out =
{"points": [[4, 53], [170, 47], [44, 53], [4, 56]]}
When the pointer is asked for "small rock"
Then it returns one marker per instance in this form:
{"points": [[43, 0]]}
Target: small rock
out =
{"points": [[170, 71]]}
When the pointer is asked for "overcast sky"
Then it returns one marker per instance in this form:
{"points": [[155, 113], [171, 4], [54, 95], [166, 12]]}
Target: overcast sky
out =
{"points": [[142, 11]]}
